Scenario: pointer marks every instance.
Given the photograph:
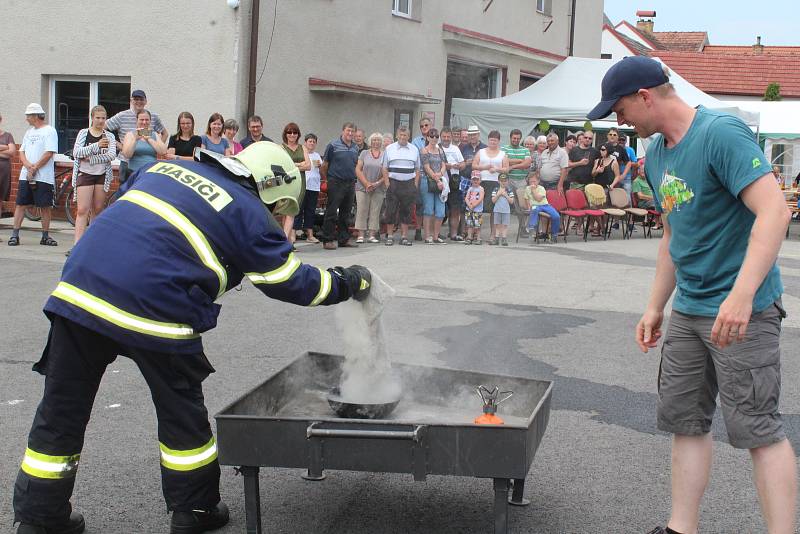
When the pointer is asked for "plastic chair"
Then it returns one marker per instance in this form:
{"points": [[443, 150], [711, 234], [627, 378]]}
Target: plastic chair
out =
{"points": [[559, 203], [578, 209], [619, 199], [596, 196]]}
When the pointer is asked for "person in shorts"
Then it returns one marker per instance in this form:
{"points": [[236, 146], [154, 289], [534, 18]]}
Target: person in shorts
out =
{"points": [[403, 165], [502, 202], [37, 176], [724, 221], [473, 214]]}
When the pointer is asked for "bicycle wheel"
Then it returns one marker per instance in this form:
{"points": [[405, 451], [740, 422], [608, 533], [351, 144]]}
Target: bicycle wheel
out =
{"points": [[70, 208], [32, 213]]}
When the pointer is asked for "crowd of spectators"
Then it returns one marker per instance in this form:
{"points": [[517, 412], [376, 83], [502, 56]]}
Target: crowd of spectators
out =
{"points": [[394, 183]]}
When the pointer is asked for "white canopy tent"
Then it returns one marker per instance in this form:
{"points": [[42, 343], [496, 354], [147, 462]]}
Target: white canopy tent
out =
{"points": [[567, 93], [780, 132]]}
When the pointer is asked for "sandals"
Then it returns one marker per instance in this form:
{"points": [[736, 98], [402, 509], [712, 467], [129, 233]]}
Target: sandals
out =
{"points": [[48, 242], [429, 241], [13, 241], [468, 241], [494, 241], [457, 238], [405, 241], [311, 239], [389, 241], [439, 241]]}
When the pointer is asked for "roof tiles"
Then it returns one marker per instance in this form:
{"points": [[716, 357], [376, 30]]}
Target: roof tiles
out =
{"points": [[735, 74]]}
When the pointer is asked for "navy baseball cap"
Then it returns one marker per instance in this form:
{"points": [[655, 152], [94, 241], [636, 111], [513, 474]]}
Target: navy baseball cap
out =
{"points": [[625, 78], [138, 93]]}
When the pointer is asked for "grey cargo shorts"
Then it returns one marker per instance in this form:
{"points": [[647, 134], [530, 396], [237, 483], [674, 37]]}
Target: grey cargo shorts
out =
{"points": [[746, 375]]}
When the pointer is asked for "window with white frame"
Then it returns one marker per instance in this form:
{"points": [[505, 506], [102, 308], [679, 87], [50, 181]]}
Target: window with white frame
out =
{"points": [[71, 98], [544, 7], [401, 8]]}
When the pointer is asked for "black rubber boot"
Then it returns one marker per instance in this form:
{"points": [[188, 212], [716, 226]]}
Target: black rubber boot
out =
{"points": [[198, 521], [75, 525]]}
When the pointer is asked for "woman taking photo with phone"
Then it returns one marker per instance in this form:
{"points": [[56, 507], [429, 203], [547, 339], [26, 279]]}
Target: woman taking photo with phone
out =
{"points": [[143, 145], [94, 150], [213, 140], [182, 144]]}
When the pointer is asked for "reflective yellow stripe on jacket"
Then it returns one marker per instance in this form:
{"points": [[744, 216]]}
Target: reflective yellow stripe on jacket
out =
{"points": [[41, 465], [191, 459], [192, 234], [109, 312], [276, 276], [324, 287], [285, 271]]}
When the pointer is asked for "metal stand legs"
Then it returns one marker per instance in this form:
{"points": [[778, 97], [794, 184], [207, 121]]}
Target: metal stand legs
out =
{"points": [[517, 496], [500, 505], [252, 499]]}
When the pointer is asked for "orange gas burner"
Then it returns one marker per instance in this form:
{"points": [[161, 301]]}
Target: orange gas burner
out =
{"points": [[491, 399]]}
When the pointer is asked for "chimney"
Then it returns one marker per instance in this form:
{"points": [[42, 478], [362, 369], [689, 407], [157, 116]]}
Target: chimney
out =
{"points": [[645, 22], [758, 48]]}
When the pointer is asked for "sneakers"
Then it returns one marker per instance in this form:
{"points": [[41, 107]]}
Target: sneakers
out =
{"points": [[75, 525], [198, 521], [330, 245]]}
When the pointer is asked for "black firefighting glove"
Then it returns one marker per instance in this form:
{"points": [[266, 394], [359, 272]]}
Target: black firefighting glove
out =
{"points": [[357, 280]]}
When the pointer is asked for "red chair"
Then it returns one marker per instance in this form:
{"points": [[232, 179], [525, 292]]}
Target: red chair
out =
{"points": [[559, 203], [578, 209]]}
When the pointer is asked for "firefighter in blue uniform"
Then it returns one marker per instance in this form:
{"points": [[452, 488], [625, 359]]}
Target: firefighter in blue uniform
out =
{"points": [[142, 283]]}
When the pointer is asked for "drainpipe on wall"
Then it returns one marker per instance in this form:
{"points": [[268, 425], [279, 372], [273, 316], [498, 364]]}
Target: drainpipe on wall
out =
{"points": [[572, 29], [251, 74]]}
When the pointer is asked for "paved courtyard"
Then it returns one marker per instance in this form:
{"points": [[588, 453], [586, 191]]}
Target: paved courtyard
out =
{"points": [[562, 312]]}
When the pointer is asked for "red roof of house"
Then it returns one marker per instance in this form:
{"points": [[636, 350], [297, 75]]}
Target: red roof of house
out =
{"points": [[731, 74], [682, 41], [766, 50]]}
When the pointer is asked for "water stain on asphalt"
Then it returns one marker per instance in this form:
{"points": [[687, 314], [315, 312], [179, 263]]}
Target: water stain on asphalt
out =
{"points": [[469, 347]]}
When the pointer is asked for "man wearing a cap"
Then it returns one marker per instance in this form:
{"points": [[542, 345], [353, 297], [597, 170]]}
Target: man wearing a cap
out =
{"points": [[125, 121], [724, 222], [37, 176]]}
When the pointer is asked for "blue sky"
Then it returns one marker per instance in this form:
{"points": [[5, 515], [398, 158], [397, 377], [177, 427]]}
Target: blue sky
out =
{"points": [[727, 22]]}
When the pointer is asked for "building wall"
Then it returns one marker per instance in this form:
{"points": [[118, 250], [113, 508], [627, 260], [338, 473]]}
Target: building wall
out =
{"points": [[395, 53], [193, 55], [612, 45], [184, 57]]}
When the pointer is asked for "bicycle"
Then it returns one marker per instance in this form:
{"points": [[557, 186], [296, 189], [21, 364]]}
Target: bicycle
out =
{"points": [[63, 188]]}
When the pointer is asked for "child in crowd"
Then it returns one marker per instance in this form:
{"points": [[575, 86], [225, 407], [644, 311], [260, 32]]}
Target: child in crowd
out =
{"points": [[641, 189], [535, 197], [503, 199], [474, 212]]}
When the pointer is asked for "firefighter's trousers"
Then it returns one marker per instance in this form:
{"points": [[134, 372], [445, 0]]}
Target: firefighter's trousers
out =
{"points": [[73, 364]]}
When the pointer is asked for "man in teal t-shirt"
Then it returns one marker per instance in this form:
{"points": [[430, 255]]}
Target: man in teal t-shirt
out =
{"points": [[724, 221]]}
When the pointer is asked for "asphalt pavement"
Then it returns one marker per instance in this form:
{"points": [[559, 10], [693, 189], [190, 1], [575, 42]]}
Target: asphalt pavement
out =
{"points": [[560, 312]]}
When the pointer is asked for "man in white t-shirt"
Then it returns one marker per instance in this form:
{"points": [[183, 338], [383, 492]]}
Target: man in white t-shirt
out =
{"points": [[37, 177], [455, 163]]}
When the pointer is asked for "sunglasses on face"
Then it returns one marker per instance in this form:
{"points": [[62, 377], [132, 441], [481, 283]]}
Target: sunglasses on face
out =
{"points": [[292, 133], [433, 137]]}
